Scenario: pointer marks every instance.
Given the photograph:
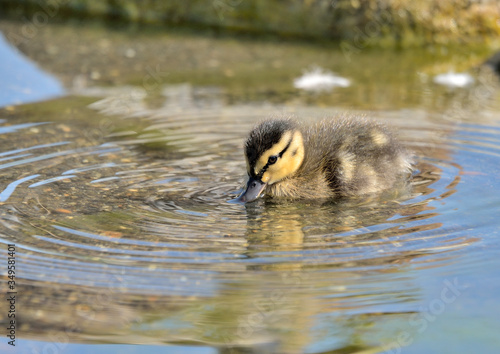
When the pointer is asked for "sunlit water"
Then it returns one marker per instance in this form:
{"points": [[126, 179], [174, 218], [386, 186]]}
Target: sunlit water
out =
{"points": [[119, 213], [127, 235]]}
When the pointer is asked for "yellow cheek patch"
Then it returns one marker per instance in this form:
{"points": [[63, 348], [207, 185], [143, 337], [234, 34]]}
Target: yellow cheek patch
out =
{"points": [[274, 150], [289, 162]]}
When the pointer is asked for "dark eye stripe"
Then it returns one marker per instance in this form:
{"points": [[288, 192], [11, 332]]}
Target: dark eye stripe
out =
{"points": [[286, 147], [264, 169]]}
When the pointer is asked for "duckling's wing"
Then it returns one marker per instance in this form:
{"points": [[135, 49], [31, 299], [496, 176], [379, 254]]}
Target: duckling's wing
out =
{"points": [[357, 156]]}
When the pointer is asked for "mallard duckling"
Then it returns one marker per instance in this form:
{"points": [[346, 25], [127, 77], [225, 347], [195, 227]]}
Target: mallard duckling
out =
{"points": [[347, 156]]}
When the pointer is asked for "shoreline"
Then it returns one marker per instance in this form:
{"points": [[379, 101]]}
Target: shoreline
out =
{"points": [[387, 23]]}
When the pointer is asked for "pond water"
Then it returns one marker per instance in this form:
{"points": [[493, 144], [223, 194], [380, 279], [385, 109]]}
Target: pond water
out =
{"points": [[116, 199]]}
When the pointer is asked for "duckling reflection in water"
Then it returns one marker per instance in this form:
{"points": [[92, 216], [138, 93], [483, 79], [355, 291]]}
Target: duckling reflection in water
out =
{"points": [[342, 157]]}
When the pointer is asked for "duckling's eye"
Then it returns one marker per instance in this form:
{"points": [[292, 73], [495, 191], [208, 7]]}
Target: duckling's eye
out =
{"points": [[272, 160]]}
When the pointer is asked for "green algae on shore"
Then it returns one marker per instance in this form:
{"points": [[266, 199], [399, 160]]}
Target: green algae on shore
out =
{"points": [[370, 23]]}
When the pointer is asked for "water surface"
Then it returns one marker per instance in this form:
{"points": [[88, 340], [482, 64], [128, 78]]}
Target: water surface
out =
{"points": [[118, 206]]}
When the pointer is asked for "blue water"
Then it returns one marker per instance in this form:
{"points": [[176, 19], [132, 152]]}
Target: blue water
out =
{"points": [[21, 80], [33, 346]]}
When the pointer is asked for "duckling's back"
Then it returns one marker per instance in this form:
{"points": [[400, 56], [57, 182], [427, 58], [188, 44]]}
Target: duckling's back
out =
{"points": [[353, 156]]}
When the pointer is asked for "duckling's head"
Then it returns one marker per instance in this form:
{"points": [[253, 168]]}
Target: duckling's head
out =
{"points": [[274, 151]]}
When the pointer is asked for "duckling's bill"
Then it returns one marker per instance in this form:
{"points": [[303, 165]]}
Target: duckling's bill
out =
{"points": [[253, 190]]}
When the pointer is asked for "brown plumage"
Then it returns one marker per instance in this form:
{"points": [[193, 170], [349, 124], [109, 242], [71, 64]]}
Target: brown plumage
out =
{"points": [[345, 156]]}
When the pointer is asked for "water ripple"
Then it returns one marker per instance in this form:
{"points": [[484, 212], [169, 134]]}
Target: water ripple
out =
{"points": [[144, 212]]}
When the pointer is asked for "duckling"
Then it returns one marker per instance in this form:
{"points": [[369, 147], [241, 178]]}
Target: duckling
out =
{"points": [[342, 157]]}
